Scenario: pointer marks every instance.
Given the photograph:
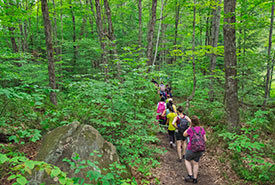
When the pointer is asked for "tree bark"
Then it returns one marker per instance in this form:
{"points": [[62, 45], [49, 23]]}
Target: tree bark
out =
{"points": [[157, 44], [150, 34], [13, 42], [55, 40], [230, 62], [193, 61], [74, 37], [214, 42], [140, 22], [267, 88], [177, 8], [48, 36], [112, 36], [101, 37], [22, 38]]}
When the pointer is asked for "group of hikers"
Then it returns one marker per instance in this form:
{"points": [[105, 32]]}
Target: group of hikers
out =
{"points": [[183, 132]]}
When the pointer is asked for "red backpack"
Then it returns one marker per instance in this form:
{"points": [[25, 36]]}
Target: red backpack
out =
{"points": [[160, 110]]}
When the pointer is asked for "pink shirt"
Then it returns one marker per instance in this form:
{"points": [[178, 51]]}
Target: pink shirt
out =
{"points": [[191, 133]]}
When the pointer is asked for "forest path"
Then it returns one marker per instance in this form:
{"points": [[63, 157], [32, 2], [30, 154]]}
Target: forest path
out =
{"points": [[172, 172]]}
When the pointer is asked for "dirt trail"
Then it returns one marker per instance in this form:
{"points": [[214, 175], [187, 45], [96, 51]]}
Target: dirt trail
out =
{"points": [[172, 172]]}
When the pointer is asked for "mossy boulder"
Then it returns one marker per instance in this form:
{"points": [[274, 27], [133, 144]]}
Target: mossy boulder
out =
{"points": [[66, 142]]}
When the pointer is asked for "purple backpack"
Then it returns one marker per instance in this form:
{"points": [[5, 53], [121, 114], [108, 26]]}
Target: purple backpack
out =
{"points": [[197, 142]]}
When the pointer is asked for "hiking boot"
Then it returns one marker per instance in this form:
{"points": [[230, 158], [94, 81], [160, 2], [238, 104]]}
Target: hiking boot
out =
{"points": [[171, 144], [195, 181], [174, 145], [180, 160], [189, 178]]}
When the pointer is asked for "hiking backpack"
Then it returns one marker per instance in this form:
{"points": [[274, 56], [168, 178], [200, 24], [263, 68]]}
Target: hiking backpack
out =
{"points": [[183, 124], [197, 142], [161, 109]]}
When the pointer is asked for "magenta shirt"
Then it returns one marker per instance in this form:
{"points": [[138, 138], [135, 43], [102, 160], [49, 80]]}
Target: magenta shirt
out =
{"points": [[190, 133]]}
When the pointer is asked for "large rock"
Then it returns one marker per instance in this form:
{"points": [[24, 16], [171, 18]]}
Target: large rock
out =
{"points": [[65, 142]]}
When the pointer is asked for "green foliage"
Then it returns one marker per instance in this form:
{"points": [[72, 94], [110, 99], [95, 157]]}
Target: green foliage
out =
{"points": [[22, 167], [111, 175], [249, 156]]}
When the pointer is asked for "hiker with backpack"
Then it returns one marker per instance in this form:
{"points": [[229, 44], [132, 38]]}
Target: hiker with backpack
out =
{"points": [[171, 129], [161, 117], [181, 123], [162, 90], [195, 149]]}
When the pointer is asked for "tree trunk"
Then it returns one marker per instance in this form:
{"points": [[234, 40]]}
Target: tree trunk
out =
{"points": [[140, 22], [48, 36], [230, 62], [214, 42], [74, 38], [55, 40], [22, 38], [267, 88], [13, 42], [151, 30], [112, 36], [101, 37], [193, 61], [177, 8], [157, 44], [84, 20]]}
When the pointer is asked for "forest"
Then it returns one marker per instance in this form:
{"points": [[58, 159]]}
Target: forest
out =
{"points": [[88, 65]]}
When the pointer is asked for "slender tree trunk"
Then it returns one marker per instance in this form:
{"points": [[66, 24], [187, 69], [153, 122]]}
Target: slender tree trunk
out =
{"points": [[101, 37], [22, 38], [193, 61], [13, 42], [230, 62], [74, 38], [96, 63], [267, 88], [157, 44], [31, 35], [48, 36], [112, 36], [177, 8], [90, 18], [207, 32], [140, 22], [215, 38], [55, 40], [150, 35]]}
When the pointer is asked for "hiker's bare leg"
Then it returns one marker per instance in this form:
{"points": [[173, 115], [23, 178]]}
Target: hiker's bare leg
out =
{"points": [[184, 146], [195, 168], [188, 167], [179, 148]]}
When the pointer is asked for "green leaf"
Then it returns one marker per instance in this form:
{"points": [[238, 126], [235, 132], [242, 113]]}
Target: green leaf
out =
{"points": [[3, 158], [55, 172], [21, 180]]}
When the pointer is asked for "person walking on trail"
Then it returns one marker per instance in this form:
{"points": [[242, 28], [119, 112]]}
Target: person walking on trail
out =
{"points": [[168, 104], [162, 90], [168, 90], [171, 129], [195, 149], [181, 123], [161, 117]]}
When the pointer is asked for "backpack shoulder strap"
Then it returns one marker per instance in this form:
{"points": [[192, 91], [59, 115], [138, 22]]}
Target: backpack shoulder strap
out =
{"points": [[193, 129], [200, 130]]}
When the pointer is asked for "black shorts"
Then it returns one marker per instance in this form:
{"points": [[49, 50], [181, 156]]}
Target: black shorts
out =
{"points": [[189, 156], [179, 136]]}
